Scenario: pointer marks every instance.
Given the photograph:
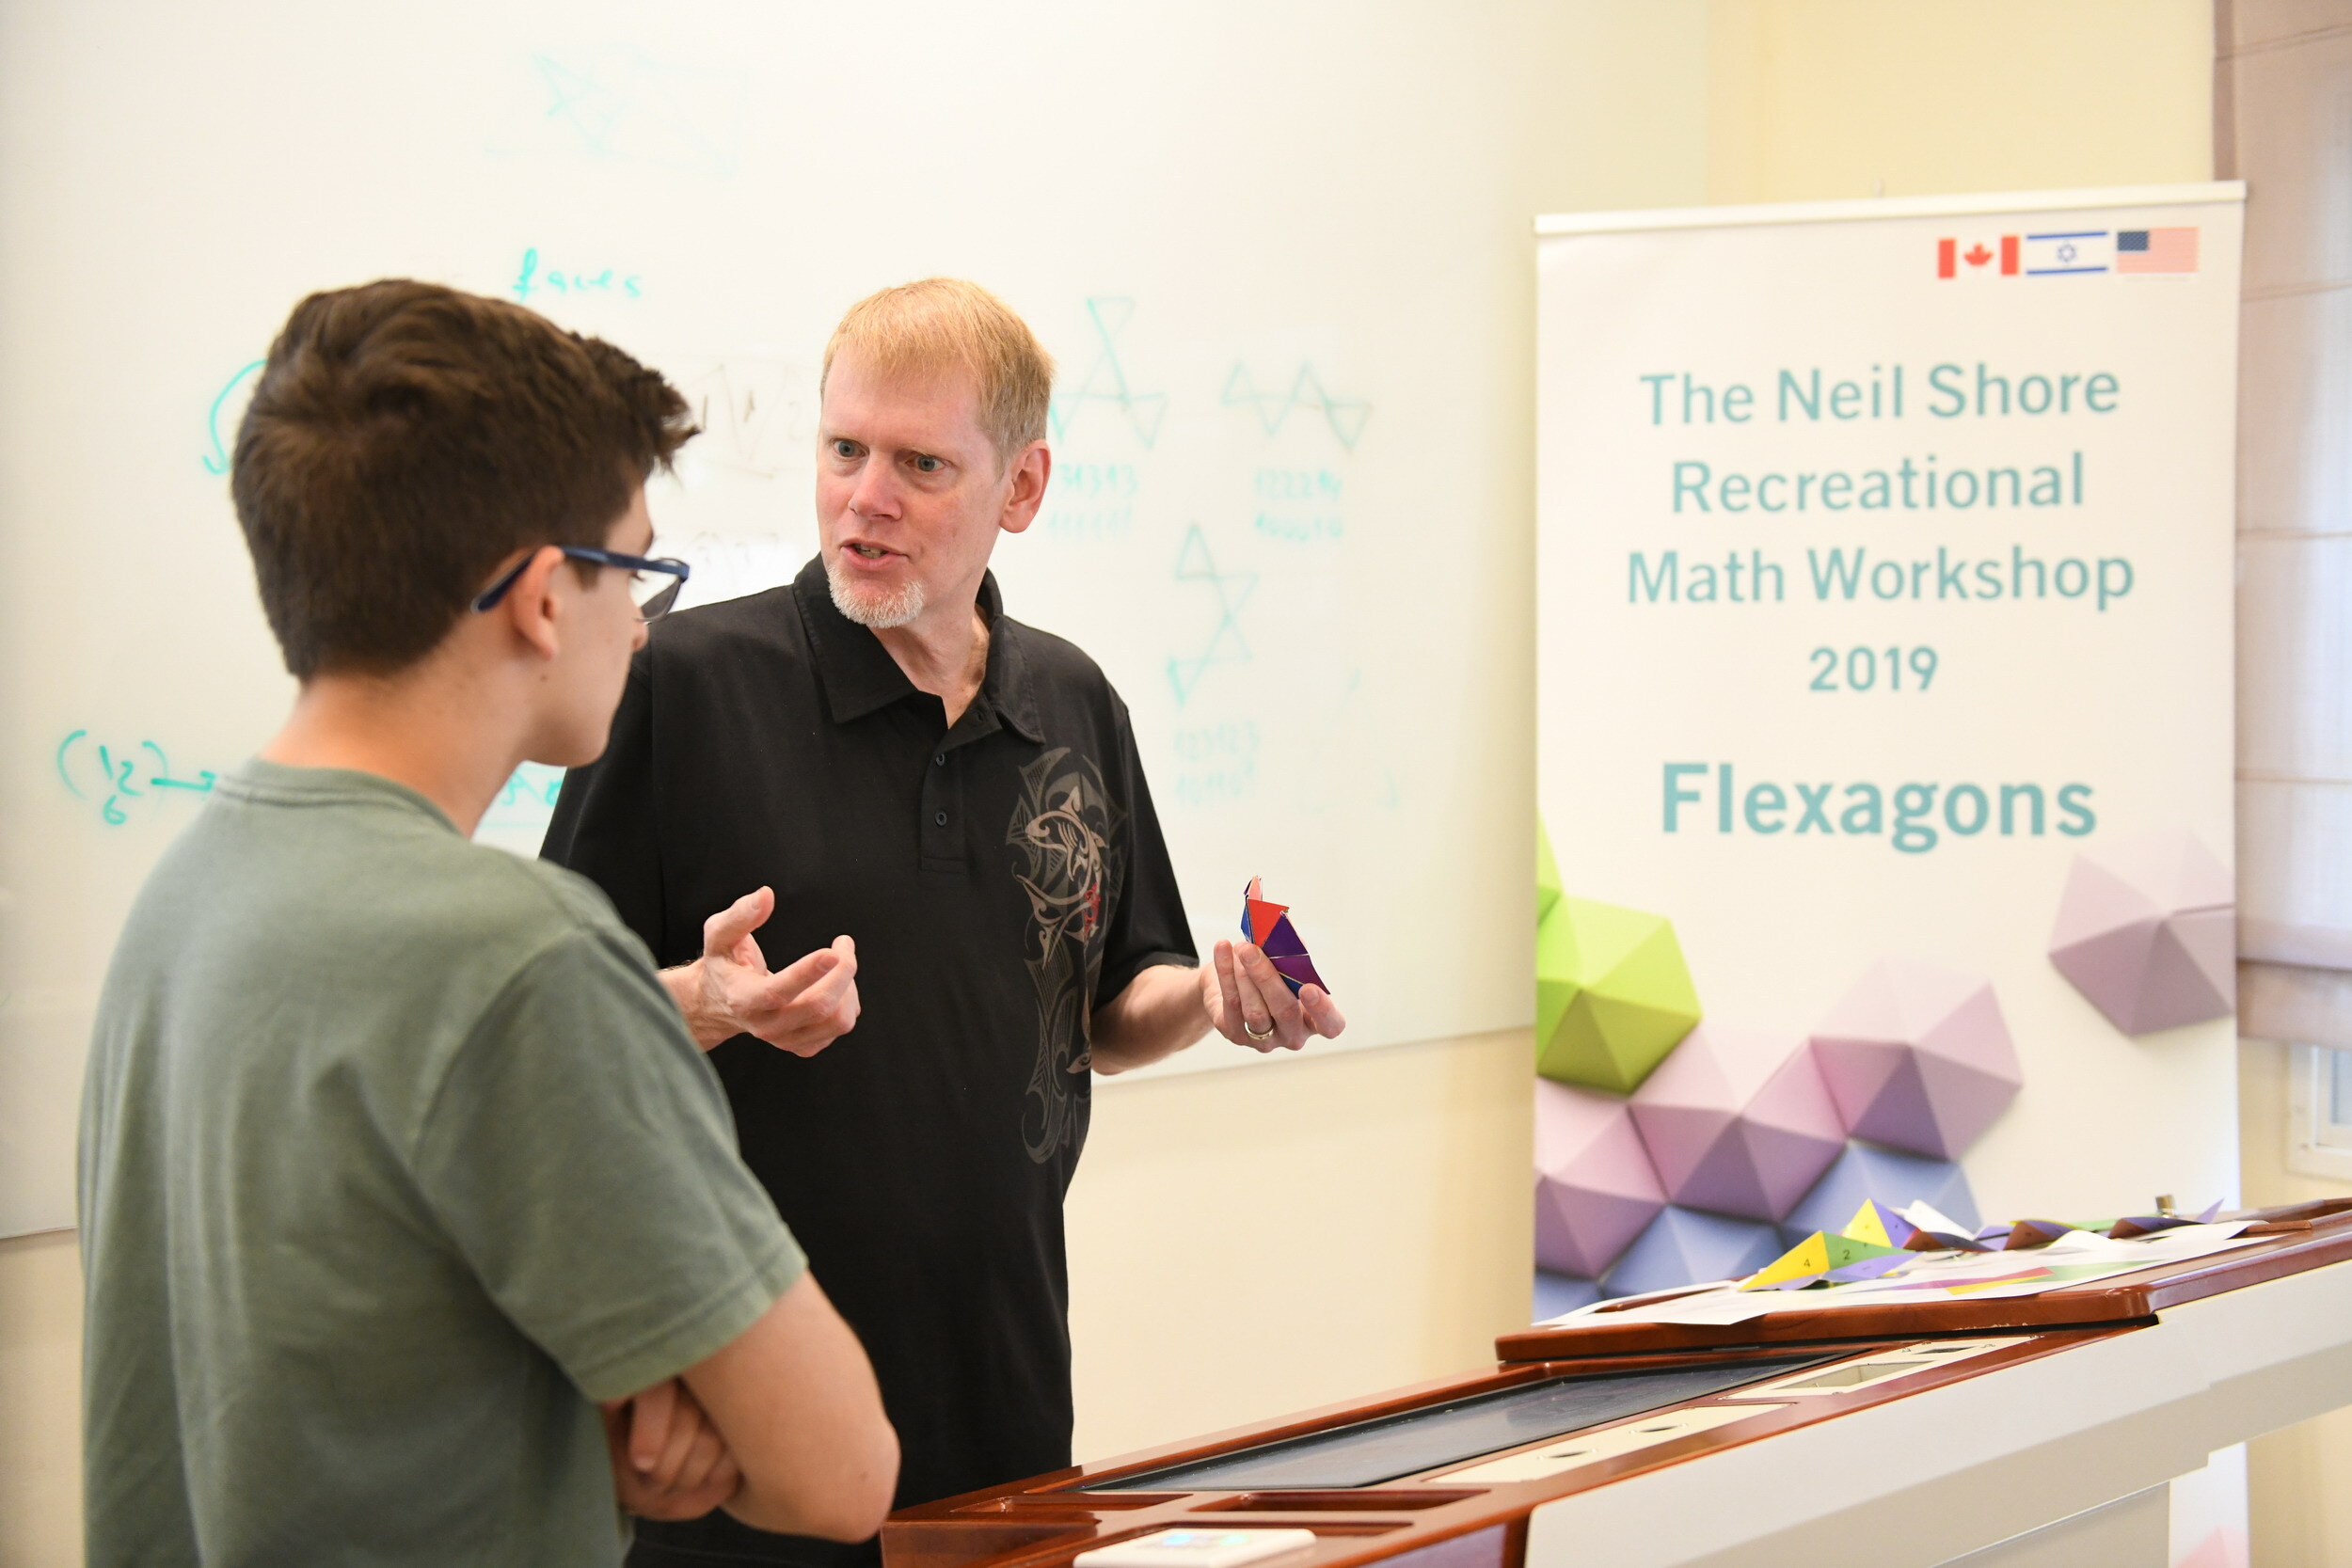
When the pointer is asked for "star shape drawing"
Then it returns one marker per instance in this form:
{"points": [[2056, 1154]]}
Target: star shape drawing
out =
{"points": [[1106, 381], [1226, 644], [615, 103], [1345, 417], [576, 99]]}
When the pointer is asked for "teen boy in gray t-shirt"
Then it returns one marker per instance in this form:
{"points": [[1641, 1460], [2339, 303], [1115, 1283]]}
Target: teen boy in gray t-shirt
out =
{"points": [[397, 1159]]}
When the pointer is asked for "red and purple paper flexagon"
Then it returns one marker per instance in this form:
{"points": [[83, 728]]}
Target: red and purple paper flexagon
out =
{"points": [[1269, 927]]}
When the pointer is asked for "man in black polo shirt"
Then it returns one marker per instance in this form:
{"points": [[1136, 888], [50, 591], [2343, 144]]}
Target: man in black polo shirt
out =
{"points": [[947, 805]]}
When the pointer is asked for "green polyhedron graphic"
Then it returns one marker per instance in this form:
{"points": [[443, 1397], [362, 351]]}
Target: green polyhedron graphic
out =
{"points": [[1612, 994]]}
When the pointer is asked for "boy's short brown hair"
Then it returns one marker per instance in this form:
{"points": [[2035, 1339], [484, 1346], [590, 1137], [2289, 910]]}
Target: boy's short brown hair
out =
{"points": [[405, 439], [946, 323]]}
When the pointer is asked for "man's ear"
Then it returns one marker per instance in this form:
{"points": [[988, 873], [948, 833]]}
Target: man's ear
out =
{"points": [[532, 607], [1031, 472]]}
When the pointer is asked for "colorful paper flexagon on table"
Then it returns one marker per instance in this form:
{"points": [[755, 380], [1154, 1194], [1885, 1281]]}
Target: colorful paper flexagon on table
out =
{"points": [[1878, 1240], [2026, 1235], [1269, 927], [1937, 1233], [2148, 1224], [1870, 1246]]}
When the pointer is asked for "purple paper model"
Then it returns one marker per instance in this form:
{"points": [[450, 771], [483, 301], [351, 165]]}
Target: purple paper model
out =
{"points": [[2147, 930], [1918, 1056], [1594, 1186], [1268, 925], [1738, 1122]]}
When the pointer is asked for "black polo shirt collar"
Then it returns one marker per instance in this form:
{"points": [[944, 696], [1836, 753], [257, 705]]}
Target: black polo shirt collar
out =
{"points": [[860, 676]]}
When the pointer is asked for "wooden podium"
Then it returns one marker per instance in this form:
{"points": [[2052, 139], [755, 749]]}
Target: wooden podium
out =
{"points": [[1998, 1433]]}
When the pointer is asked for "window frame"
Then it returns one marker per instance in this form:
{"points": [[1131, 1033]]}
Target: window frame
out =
{"points": [[2316, 1144]]}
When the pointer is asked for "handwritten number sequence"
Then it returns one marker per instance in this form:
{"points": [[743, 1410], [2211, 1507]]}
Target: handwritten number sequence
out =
{"points": [[108, 776]]}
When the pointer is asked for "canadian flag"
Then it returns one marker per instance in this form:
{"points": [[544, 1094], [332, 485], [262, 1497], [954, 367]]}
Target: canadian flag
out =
{"points": [[1978, 258]]}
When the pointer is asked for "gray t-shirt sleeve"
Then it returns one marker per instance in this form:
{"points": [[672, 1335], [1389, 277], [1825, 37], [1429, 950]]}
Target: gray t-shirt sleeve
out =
{"points": [[580, 1156]]}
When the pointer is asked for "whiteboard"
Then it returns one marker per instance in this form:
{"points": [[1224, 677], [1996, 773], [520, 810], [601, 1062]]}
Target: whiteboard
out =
{"points": [[1280, 253]]}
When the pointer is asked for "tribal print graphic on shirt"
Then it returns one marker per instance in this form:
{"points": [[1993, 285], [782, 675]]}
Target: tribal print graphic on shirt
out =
{"points": [[1062, 835]]}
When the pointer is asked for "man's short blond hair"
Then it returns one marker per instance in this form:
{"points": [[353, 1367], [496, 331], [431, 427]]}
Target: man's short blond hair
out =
{"points": [[946, 323]]}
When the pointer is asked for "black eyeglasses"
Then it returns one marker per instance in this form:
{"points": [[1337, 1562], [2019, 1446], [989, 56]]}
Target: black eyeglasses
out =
{"points": [[653, 582]]}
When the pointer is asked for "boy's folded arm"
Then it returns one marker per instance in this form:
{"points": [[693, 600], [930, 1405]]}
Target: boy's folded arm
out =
{"points": [[796, 1401], [669, 1462]]}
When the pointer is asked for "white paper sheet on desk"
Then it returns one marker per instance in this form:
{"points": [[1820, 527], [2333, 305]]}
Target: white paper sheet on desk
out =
{"points": [[2077, 1257]]}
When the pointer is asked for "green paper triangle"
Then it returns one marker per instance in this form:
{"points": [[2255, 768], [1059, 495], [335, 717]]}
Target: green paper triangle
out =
{"points": [[1845, 1249]]}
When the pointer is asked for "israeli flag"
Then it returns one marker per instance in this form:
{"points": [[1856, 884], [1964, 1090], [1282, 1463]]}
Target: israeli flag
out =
{"points": [[2056, 255]]}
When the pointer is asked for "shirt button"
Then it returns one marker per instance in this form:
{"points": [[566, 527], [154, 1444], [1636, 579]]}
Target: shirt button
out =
{"points": [[940, 818], [940, 760]]}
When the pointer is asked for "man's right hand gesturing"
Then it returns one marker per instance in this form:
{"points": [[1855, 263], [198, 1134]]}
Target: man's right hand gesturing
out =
{"points": [[730, 990]]}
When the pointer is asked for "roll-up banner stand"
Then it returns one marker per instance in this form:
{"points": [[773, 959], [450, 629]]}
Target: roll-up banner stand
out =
{"points": [[1884, 663]]}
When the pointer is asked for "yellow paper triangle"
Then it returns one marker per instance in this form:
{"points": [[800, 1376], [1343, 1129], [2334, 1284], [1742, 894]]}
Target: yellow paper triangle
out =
{"points": [[1867, 1225], [1810, 1256]]}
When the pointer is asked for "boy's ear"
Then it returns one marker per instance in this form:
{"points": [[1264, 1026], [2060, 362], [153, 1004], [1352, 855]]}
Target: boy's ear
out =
{"points": [[532, 607]]}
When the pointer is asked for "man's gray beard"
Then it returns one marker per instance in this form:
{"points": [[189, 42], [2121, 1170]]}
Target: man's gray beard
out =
{"points": [[876, 611]]}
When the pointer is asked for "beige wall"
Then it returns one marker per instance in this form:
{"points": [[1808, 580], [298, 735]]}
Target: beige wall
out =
{"points": [[1251, 1242], [1816, 99], [41, 1372]]}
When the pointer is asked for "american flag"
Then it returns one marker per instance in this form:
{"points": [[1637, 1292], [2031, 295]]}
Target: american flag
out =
{"points": [[2155, 251]]}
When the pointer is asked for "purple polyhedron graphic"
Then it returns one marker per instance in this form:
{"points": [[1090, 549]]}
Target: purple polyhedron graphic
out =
{"points": [[1683, 1247], [1918, 1056], [1556, 1293], [1738, 1122], [1881, 1176], [2147, 930], [1594, 1186]]}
